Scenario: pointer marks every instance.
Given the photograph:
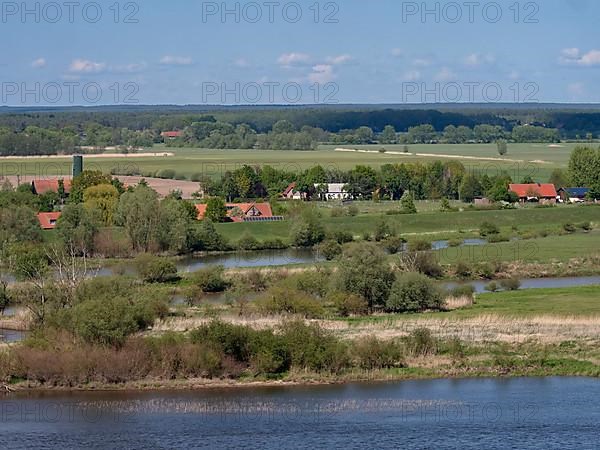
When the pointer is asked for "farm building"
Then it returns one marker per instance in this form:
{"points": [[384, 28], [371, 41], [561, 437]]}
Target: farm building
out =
{"points": [[573, 194], [170, 135], [48, 220], [244, 212], [542, 193], [41, 187]]}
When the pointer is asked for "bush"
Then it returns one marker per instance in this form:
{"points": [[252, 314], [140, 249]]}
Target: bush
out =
{"points": [[247, 242], [463, 269], [281, 300], [341, 236], [352, 211], [497, 238], [453, 243], [394, 245], [569, 228], [372, 353], [510, 284], [488, 229], [465, 290], [330, 250], [422, 262], [167, 174], [419, 245], [414, 292], [307, 231], [210, 279], [492, 286], [349, 304], [585, 226], [420, 342], [154, 269]]}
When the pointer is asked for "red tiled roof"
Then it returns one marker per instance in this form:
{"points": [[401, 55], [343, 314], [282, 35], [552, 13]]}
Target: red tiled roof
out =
{"points": [[538, 190], [40, 187], [289, 189], [264, 210], [172, 134], [48, 220]]}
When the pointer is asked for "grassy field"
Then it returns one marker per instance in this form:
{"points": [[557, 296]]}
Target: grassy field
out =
{"points": [[535, 160], [432, 222]]}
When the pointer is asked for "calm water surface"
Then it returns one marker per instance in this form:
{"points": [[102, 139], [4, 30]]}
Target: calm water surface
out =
{"points": [[538, 413]]}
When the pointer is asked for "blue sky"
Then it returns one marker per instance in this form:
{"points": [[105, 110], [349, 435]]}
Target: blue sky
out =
{"points": [[384, 51]]}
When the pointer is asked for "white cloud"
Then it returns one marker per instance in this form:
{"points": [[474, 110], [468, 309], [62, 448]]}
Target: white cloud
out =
{"points": [[575, 56], [241, 62], [322, 73], [514, 75], [341, 59], [397, 52], [421, 62], [412, 75], [445, 74], [172, 60], [290, 59], [86, 66], [38, 63], [477, 59]]}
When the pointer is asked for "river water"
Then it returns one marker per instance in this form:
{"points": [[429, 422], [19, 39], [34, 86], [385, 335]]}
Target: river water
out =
{"points": [[537, 413]]}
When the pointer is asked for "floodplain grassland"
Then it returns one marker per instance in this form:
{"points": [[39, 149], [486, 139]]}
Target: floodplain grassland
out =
{"points": [[535, 160]]}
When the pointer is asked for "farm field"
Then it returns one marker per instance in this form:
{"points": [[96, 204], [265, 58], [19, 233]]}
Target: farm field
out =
{"points": [[535, 160]]}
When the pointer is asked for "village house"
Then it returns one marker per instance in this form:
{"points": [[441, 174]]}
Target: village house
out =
{"points": [[333, 191], [171, 135], [41, 187], [48, 220], [291, 193], [573, 194], [538, 193], [244, 212]]}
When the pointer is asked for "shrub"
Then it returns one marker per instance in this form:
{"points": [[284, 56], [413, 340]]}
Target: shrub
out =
{"points": [[464, 290], [585, 226], [247, 242], [488, 229], [497, 238], [510, 284], [422, 262], [154, 269], [307, 231], [420, 342], [330, 250], [394, 245], [382, 231], [337, 212], [463, 269], [419, 245], [414, 292], [341, 236], [492, 286], [281, 300], [569, 228], [210, 279], [349, 304], [352, 211], [166, 174], [372, 353], [455, 243]]}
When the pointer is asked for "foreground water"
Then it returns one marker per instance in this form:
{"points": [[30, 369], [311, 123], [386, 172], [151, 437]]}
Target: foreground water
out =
{"points": [[543, 413]]}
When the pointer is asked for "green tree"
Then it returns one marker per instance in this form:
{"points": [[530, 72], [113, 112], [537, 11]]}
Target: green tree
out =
{"points": [[364, 271], [77, 228], [502, 147], [413, 292], [138, 213], [407, 203], [470, 188], [307, 230], [388, 136], [103, 198], [87, 179], [216, 211]]}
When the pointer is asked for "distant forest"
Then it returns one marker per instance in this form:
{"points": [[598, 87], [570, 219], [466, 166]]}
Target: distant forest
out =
{"points": [[47, 131]]}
